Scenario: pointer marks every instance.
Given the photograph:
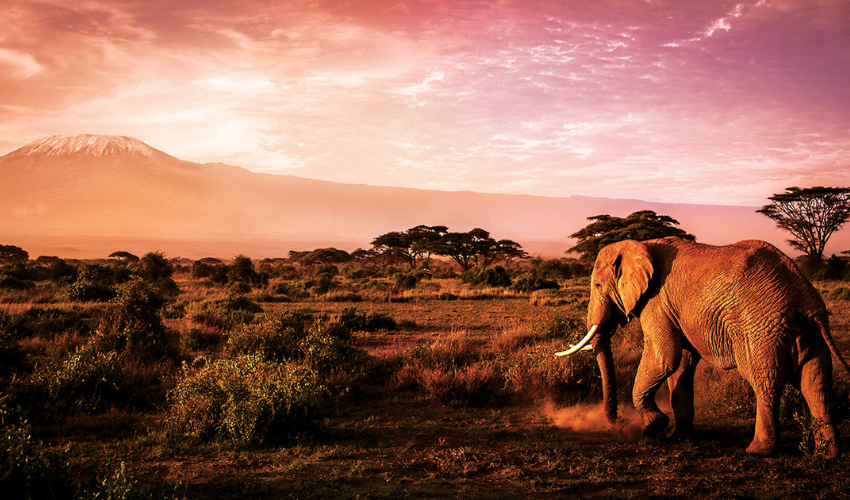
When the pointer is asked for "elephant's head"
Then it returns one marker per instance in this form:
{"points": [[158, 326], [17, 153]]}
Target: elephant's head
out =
{"points": [[620, 277]]}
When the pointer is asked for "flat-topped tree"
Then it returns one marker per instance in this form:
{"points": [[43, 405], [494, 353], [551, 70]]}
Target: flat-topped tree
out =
{"points": [[638, 226], [412, 246], [11, 255], [811, 215]]}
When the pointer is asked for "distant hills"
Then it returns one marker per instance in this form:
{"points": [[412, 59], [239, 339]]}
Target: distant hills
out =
{"points": [[90, 195]]}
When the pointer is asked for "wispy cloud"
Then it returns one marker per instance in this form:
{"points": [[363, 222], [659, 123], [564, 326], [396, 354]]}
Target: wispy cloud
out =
{"points": [[686, 101]]}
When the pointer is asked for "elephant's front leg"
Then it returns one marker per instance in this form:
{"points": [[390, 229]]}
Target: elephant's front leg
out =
{"points": [[661, 356], [681, 385]]}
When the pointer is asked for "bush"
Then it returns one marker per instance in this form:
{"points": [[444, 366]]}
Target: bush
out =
{"points": [[43, 323], [14, 283], [408, 281], [154, 266], [532, 282], [133, 324], [87, 380], [491, 276], [324, 344], [224, 313], [29, 471], [245, 399], [373, 322], [275, 336], [324, 283]]}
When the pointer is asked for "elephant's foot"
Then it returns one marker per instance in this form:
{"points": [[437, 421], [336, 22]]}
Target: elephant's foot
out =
{"points": [[654, 423], [827, 443], [763, 448], [680, 432]]}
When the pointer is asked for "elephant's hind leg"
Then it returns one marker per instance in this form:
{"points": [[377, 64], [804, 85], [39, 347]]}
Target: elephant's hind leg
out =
{"points": [[768, 385], [815, 383]]}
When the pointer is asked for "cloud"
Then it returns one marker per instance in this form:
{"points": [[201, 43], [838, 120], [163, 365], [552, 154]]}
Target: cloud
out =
{"points": [[18, 65], [689, 101]]}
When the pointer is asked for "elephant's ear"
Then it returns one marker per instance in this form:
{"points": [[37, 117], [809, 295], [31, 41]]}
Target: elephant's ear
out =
{"points": [[635, 271]]}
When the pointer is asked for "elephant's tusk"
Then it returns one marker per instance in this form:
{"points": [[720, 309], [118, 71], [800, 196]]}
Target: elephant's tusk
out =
{"points": [[581, 345]]}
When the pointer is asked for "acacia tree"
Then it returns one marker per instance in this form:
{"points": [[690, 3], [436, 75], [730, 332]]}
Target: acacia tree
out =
{"points": [[477, 247], [639, 226], [124, 257], [462, 247], [412, 246], [811, 215], [10, 254]]}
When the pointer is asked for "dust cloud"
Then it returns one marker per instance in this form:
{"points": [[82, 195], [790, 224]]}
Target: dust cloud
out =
{"points": [[591, 418]]}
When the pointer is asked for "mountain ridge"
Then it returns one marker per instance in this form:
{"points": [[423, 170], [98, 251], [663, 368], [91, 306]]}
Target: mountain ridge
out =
{"points": [[97, 194]]}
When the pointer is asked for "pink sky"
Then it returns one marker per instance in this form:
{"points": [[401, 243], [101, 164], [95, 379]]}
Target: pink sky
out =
{"points": [[700, 101]]}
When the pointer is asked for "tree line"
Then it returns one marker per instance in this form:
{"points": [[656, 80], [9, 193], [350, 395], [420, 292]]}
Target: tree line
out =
{"points": [[810, 215]]}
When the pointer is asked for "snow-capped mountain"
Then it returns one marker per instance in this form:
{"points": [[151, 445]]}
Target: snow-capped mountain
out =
{"points": [[90, 195], [86, 144]]}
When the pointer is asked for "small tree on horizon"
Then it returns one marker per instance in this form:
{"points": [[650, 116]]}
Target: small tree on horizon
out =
{"points": [[124, 257], [640, 226], [11, 255], [811, 215]]}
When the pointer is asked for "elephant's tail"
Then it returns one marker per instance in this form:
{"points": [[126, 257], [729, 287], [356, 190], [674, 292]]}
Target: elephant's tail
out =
{"points": [[822, 326]]}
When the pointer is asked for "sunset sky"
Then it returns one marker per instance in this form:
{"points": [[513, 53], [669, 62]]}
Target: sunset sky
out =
{"points": [[700, 101]]}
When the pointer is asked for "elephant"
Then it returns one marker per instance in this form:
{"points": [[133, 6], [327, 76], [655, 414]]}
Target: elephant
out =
{"points": [[744, 306]]}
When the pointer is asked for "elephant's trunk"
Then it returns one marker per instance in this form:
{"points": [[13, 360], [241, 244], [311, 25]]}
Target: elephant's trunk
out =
{"points": [[602, 348]]}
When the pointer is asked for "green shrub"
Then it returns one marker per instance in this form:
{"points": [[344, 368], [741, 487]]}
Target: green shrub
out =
{"points": [[154, 266], [133, 324], [120, 486], [490, 276], [245, 399], [408, 281], [93, 282], [86, 291], [372, 322], [14, 283], [87, 380], [530, 282], [29, 471], [224, 313], [274, 336], [43, 323], [323, 343]]}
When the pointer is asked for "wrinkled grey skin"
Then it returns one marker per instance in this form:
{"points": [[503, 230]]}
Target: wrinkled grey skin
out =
{"points": [[743, 306]]}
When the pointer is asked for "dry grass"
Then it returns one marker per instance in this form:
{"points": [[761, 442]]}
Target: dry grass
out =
{"points": [[449, 404]]}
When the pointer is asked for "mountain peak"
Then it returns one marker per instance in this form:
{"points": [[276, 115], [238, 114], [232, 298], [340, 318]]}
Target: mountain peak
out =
{"points": [[86, 144]]}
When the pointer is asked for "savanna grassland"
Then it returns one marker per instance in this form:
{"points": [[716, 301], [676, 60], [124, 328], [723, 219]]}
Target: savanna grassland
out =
{"points": [[176, 379]]}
